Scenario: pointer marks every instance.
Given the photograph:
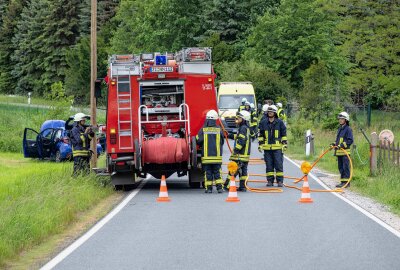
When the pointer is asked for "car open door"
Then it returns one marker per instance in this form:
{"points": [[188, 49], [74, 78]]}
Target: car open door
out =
{"points": [[31, 143], [48, 142]]}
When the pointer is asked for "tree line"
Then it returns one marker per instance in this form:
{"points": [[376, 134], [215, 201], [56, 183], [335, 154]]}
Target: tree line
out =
{"points": [[324, 54]]}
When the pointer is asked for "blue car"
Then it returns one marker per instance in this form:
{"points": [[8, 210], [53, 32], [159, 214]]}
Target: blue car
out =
{"points": [[51, 142]]}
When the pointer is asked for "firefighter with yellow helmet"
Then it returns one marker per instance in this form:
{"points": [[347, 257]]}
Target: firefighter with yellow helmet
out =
{"points": [[211, 140], [241, 149]]}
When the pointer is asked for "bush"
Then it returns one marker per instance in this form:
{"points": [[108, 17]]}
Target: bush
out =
{"points": [[330, 123]]}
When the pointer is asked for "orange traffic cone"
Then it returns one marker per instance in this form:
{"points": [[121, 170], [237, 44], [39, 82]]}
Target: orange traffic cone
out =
{"points": [[163, 196], [232, 196], [305, 192]]}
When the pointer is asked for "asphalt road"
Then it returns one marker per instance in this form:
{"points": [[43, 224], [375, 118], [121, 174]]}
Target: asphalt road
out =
{"points": [[262, 231]]}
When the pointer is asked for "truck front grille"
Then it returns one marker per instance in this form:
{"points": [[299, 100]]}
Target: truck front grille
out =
{"points": [[230, 122]]}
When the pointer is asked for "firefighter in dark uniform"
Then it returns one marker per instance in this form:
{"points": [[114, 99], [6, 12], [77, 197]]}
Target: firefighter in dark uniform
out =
{"points": [[243, 106], [211, 140], [272, 139], [80, 139], [242, 148], [344, 139]]}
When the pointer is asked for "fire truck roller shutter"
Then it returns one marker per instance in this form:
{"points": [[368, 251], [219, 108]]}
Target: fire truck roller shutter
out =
{"points": [[165, 150]]}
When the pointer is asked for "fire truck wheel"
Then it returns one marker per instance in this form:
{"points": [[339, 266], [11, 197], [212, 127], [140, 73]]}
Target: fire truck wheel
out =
{"points": [[138, 158], [194, 153]]}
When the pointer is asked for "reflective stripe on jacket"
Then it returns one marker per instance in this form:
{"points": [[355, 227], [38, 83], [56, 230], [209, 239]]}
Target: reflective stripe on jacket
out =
{"points": [[345, 136], [281, 114], [80, 141], [254, 118], [211, 139], [242, 146], [271, 134]]}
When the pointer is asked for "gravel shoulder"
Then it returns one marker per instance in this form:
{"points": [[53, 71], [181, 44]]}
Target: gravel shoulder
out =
{"points": [[379, 210]]}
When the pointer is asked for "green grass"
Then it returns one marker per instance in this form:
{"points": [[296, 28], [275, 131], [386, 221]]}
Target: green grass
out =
{"points": [[40, 199], [24, 100], [14, 119], [384, 187]]}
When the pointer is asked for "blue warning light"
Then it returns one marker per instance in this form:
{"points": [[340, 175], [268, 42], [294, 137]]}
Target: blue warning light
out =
{"points": [[161, 60]]}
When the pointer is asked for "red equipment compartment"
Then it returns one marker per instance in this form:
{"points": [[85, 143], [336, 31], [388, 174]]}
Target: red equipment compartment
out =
{"points": [[165, 150]]}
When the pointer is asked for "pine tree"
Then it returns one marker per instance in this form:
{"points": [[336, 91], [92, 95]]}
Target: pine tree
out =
{"points": [[7, 31], [60, 33], [105, 11], [27, 43], [3, 8]]}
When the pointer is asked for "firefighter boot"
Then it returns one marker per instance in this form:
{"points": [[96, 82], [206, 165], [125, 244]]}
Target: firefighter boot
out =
{"points": [[342, 184], [226, 185], [219, 188], [270, 184], [242, 187], [209, 189], [280, 184]]}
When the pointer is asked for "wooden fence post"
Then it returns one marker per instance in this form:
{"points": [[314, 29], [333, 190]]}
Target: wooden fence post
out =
{"points": [[372, 153]]}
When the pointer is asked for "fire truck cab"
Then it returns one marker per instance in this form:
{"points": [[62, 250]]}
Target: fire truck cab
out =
{"points": [[156, 105]]}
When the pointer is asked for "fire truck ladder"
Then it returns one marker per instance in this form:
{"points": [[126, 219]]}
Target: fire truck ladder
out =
{"points": [[184, 117], [124, 98]]}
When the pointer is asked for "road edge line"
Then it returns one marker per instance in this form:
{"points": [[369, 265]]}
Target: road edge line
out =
{"points": [[354, 205], [76, 244]]}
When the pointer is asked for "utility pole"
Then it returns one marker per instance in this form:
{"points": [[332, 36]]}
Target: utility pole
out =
{"points": [[93, 76]]}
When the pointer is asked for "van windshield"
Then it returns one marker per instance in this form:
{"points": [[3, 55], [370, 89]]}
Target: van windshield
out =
{"points": [[233, 101]]}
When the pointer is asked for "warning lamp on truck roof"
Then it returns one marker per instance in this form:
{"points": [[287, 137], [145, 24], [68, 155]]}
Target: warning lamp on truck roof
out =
{"points": [[196, 55], [161, 60], [146, 56]]}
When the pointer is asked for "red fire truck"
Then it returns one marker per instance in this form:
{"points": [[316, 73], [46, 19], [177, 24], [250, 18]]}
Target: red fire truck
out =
{"points": [[156, 105]]}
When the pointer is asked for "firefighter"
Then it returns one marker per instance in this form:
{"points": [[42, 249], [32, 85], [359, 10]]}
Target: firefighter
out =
{"points": [[80, 139], [211, 140], [272, 139], [242, 148], [281, 113], [265, 112], [243, 106], [344, 140], [253, 122]]}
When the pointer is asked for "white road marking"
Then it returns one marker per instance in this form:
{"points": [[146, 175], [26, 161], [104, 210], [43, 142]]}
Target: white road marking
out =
{"points": [[71, 248], [362, 210]]}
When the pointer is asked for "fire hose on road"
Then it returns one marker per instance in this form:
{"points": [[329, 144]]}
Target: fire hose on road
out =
{"points": [[297, 179]]}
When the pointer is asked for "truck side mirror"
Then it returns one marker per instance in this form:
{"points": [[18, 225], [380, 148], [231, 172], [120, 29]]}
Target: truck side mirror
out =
{"points": [[97, 88]]}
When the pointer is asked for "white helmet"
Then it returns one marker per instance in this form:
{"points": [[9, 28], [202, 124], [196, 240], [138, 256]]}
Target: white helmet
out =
{"points": [[244, 100], [272, 108], [80, 116], [344, 115], [212, 115], [252, 105], [247, 103], [279, 105], [265, 107], [245, 115]]}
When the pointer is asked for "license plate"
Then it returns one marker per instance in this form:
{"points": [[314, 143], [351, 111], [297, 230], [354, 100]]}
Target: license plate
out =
{"points": [[161, 69]]}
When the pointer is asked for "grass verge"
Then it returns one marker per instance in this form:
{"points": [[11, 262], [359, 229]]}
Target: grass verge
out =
{"points": [[40, 199], [384, 187]]}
